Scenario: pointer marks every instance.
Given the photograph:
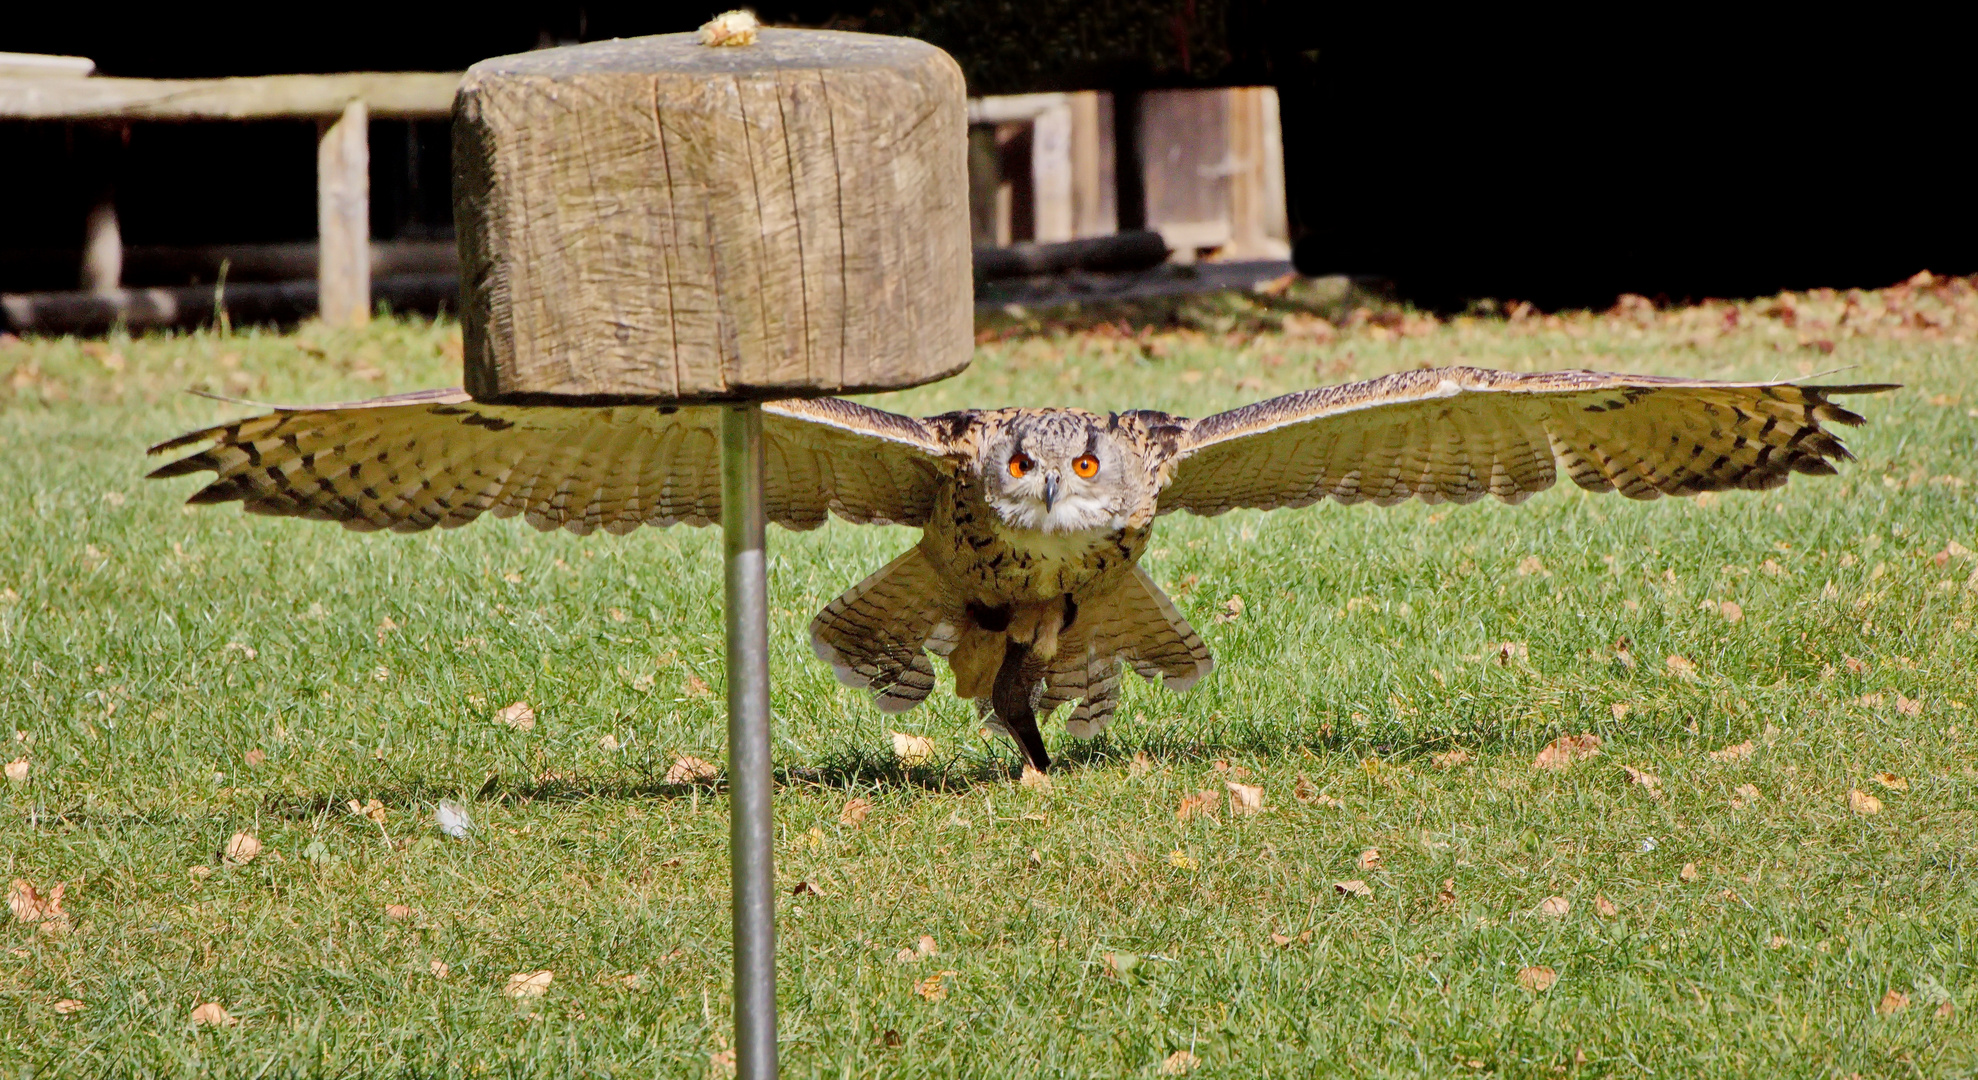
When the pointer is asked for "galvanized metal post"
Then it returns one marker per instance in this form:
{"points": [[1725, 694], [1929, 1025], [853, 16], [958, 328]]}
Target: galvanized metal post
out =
{"points": [[750, 823]]}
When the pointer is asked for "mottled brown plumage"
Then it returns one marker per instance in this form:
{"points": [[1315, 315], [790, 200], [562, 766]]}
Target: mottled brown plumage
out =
{"points": [[1033, 521]]}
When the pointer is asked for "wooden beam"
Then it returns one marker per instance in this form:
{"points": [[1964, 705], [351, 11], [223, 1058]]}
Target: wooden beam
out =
{"points": [[102, 248], [172, 266], [343, 217], [188, 306], [1052, 215], [388, 95], [44, 66]]}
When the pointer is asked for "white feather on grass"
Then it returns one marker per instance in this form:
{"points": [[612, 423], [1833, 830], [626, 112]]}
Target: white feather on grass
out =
{"points": [[452, 819]]}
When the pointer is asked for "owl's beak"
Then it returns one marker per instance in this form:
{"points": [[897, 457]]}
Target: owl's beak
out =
{"points": [[1050, 490]]}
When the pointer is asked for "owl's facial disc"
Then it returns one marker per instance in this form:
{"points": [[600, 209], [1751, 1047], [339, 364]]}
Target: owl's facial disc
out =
{"points": [[1055, 474]]}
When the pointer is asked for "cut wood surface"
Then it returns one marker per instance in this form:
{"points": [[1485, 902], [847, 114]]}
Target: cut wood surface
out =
{"points": [[655, 219], [388, 95], [343, 217]]}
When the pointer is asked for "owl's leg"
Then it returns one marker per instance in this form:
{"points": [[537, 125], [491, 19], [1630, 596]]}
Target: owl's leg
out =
{"points": [[1012, 698]]}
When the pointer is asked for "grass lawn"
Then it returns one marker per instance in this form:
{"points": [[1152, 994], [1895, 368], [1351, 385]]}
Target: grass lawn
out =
{"points": [[1778, 664]]}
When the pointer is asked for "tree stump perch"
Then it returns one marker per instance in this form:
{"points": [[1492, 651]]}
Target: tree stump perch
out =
{"points": [[656, 219]]}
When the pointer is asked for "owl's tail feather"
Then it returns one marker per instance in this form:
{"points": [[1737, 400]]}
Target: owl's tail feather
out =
{"points": [[1136, 623], [876, 636]]}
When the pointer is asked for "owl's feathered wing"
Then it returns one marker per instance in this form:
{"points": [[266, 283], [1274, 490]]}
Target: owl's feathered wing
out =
{"points": [[1461, 433], [438, 457]]}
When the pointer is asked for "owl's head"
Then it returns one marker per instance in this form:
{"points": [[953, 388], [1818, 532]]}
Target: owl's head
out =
{"points": [[1058, 471]]}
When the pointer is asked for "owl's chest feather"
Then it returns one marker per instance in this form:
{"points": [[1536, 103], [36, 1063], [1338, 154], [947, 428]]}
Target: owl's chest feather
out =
{"points": [[998, 565]]}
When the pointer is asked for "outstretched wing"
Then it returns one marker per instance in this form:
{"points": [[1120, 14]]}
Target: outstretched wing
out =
{"points": [[438, 457], [1460, 433]]}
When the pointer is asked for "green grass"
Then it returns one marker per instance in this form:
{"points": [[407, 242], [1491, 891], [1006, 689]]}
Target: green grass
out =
{"points": [[1364, 649]]}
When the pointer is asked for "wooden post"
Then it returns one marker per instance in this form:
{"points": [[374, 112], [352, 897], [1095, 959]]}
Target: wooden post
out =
{"points": [[1093, 198], [343, 217], [1052, 214], [1256, 177]]}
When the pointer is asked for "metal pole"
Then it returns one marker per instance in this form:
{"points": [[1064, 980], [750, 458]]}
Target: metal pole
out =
{"points": [[750, 824]]}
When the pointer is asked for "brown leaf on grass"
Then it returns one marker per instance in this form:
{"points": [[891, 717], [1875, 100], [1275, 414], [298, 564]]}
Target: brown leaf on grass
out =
{"points": [[1604, 907], [1179, 1063], [1303, 791], [241, 849], [517, 715], [1449, 759], [528, 984], [199, 873], [1650, 783], [1555, 907], [1369, 860], [1197, 804], [255, 758], [1620, 711], [1032, 777], [933, 988], [1894, 1001], [906, 956], [1231, 610], [926, 945], [1908, 706], [372, 809], [1687, 873], [1141, 764], [1731, 612], [1353, 888], [721, 1063], [687, 769], [1529, 565], [1891, 781], [1735, 752], [1447, 894], [1245, 798], [1863, 803], [1680, 667], [696, 686], [1946, 1011], [1744, 794], [68, 1007], [385, 626], [854, 812], [213, 1014], [805, 888], [398, 912], [30, 905], [1563, 751], [1280, 940], [1537, 979], [1854, 666], [18, 770], [911, 750], [1508, 652]]}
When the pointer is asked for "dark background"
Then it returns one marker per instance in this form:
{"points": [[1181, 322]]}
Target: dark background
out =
{"points": [[1556, 157]]}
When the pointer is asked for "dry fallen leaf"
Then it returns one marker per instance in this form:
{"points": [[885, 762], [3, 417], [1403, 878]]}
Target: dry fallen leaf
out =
{"points": [[255, 758], [68, 1007], [911, 749], [1352, 888], [1891, 781], [213, 1014], [1946, 1011], [1744, 794], [1449, 759], [30, 905], [1908, 706], [1863, 803], [440, 969], [517, 715], [1304, 791], [1179, 1063], [721, 1063], [398, 912], [1369, 860], [1197, 804], [1530, 564], [1777, 941], [926, 946], [687, 769], [805, 888], [1650, 783], [1447, 894], [1736, 752], [241, 849], [1032, 778], [528, 984], [1232, 609], [1141, 764], [1280, 940], [1555, 907], [1563, 751], [1893, 1002], [17, 770], [1604, 907], [1181, 860], [854, 812], [931, 988], [1620, 710], [1537, 979], [906, 956], [1245, 798], [1688, 872], [1680, 667], [697, 686], [1730, 611]]}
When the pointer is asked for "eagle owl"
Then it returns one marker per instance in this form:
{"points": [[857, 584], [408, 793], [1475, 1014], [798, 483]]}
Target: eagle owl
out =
{"points": [[1026, 577]]}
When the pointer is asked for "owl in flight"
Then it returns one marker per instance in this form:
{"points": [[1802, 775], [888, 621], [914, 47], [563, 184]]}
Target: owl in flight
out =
{"points": [[1026, 577]]}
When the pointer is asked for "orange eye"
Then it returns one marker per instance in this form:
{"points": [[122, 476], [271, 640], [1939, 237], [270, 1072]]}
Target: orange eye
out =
{"points": [[1087, 466], [1020, 463]]}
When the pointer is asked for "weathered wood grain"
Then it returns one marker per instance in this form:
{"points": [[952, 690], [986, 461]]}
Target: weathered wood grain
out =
{"points": [[343, 217], [652, 218]]}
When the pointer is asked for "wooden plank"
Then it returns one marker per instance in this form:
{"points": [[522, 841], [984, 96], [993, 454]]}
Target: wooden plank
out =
{"points": [[652, 219], [389, 95], [343, 217], [1256, 177], [1053, 214], [1185, 149], [189, 306], [1093, 198], [44, 66]]}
